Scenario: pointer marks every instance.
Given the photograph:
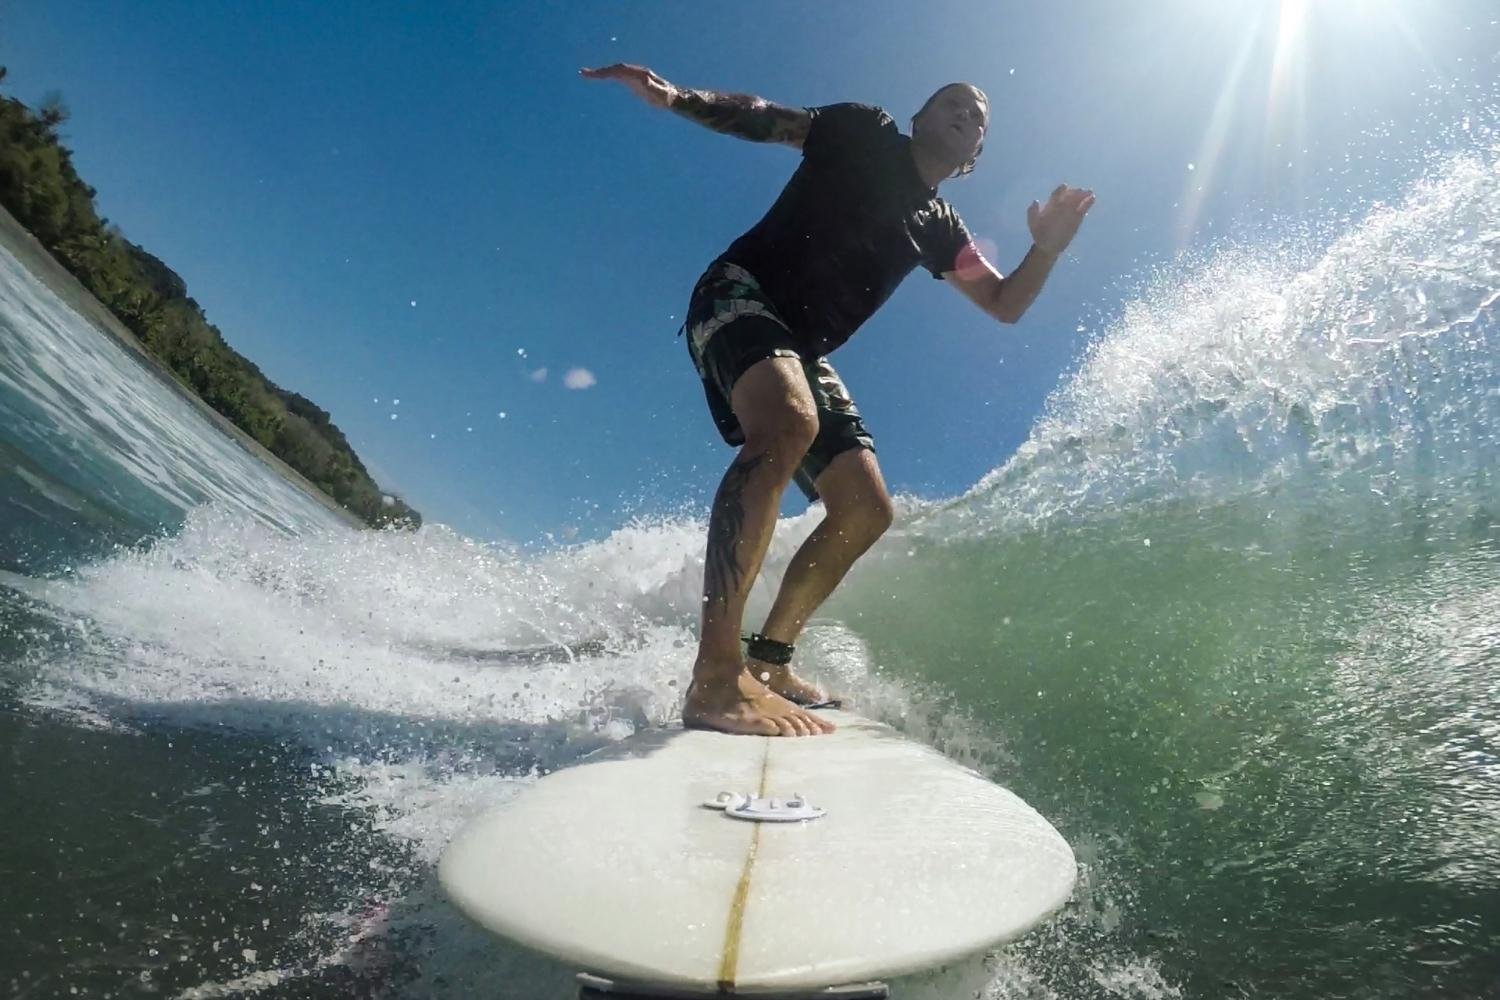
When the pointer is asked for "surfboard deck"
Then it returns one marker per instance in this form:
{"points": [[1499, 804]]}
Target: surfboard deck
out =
{"points": [[616, 866]]}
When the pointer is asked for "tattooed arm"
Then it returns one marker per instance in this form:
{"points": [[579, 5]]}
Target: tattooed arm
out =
{"points": [[741, 115]]}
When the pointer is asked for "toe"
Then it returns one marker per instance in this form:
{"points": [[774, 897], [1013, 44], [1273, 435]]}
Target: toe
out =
{"points": [[810, 723]]}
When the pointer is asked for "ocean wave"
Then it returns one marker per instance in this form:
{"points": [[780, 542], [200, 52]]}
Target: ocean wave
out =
{"points": [[1373, 364]]}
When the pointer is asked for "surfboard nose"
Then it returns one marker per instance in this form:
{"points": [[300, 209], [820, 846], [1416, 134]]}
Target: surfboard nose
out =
{"points": [[616, 867]]}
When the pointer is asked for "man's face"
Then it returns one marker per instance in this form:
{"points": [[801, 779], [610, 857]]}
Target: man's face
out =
{"points": [[954, 122]]}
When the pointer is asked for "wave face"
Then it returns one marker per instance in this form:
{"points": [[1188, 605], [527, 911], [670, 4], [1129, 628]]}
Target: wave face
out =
{"points": [[95, 451], [1372, 366], [1230, 618], [1234, 608]]}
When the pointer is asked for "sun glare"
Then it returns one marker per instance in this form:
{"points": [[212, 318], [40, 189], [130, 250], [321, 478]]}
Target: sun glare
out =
{"points": [[1286, 58], [1286, 48]]}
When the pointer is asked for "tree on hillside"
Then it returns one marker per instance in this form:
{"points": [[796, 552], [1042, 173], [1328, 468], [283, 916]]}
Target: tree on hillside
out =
{"points": [[52, 112], [39, 186]]}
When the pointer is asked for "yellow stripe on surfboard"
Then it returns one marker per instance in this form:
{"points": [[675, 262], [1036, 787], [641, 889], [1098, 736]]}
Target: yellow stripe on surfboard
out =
{"points": [[729, 958]]}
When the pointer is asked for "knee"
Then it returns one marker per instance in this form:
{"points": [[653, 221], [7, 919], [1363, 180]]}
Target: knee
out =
{"points": [[879, 518], [863, 523], [787, 440]]}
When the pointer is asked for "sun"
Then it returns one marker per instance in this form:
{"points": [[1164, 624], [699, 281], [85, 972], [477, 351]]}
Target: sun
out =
{"points": [[1287, 55], [1291, 52]]}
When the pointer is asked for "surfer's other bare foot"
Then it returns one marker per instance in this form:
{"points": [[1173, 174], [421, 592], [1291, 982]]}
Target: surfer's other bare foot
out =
{"points": [[787, 684], [747, 707]]}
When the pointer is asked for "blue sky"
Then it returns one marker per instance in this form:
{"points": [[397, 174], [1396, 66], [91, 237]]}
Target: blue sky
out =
{"points": [[424, 203]]}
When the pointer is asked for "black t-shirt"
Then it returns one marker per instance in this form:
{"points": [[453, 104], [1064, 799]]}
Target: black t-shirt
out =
{"points": [[852, 222]]}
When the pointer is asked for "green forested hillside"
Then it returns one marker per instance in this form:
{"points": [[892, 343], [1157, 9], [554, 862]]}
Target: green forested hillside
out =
{"points": [[40, 188]]}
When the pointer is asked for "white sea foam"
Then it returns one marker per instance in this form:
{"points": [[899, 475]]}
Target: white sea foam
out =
{"points": [[1377, 356], [346, 639], [431, 676]]}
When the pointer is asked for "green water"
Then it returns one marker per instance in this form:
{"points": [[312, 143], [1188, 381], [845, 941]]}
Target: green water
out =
{"points": [[1270, 729]]}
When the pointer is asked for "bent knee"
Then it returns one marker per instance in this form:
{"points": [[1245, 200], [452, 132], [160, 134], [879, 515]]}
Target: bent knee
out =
{"points": [[865, 521], [786, 438], [878, 517]]}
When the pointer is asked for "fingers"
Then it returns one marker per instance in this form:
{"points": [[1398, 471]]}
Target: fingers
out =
{"points": [[1081, 200], [1065, 193], [637, 79], [1033, 213], [615, 71]]}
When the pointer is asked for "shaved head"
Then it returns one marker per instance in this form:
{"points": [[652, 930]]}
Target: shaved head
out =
{"points": [[981, 95], [950, 103]]}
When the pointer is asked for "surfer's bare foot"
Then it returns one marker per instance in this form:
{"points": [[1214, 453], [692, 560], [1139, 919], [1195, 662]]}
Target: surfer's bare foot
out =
{"points": [[787, 684], [747, 707]]}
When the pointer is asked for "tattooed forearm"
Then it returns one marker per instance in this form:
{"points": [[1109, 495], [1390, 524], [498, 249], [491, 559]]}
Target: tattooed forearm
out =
{"points": [[742, 115], [722, 572]]}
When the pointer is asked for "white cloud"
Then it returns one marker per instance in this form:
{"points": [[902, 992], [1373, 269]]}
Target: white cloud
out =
{"points": [[540, 375], [579, 378]]}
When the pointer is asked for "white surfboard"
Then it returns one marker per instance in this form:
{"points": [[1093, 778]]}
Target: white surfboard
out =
{"points": [[617, 867]]}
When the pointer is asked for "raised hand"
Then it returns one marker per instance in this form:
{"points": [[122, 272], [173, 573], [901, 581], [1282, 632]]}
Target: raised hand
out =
{"points": [[642, 82], [1054, 224]]}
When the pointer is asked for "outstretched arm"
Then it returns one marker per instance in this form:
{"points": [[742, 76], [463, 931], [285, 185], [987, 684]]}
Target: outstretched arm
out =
{"points": [[1007, 297], [742, 115]]}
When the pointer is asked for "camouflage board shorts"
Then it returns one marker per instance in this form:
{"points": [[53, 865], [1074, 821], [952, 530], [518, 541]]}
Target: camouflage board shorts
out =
{"points": [[731, 325]]}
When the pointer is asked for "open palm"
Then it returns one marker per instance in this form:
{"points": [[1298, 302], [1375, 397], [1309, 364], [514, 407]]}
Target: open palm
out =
{"points": [[1054, 224], [642, 82]]}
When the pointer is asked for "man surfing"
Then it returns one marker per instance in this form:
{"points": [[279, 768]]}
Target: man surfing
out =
{"points": [[860, 212]]}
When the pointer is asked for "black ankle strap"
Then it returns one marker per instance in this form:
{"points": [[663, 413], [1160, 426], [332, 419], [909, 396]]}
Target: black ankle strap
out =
{"points": [[768, 650]]}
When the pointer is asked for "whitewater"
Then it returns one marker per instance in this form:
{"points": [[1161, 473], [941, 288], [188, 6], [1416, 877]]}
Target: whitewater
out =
{"points": [[1230, 619]]}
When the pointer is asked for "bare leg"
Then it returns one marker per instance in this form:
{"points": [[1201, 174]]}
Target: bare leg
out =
{"points": [[777, 412], [858, 513]]}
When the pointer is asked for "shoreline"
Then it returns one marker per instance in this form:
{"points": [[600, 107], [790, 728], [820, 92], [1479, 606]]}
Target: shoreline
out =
{"points": [[45, 268]]}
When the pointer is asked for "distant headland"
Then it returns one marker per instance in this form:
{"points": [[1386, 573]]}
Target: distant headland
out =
{"points": [[134, 297]]}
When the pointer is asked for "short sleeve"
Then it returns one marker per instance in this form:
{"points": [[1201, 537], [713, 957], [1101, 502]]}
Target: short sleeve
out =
{"points": [[942, 237], [845, 130]]}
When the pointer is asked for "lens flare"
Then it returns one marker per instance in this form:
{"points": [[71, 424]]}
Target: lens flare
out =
{"points": [[973, 260]]}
